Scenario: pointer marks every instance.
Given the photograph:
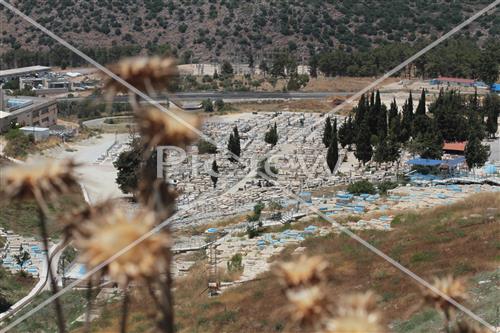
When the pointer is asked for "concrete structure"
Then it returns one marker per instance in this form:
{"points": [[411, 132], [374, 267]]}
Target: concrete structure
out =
{"points": [[14, 73], [45, 83], [39, 133], [27, 111]]}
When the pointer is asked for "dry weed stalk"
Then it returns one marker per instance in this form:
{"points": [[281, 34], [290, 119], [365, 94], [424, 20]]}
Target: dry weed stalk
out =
{"points": [[147, 74], [159, 128], [304, 283], [356, 313], [303, 272], [107, 235], [467, 327], [453, 288], [42, 182], [103, 236]]}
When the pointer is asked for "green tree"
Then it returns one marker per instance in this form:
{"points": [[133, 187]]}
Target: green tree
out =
{"points": [[271, 136], [346, 133], [22, 258], [128, 166], [476, 154], [488, 66], [421, 104], [491, 108], [219, 104], [207, 105], [237, 141], [215, 172], [332, 155], [364, 150], [227, 69], [407, 121], [428, 145], [205, 147], [327, 132]]}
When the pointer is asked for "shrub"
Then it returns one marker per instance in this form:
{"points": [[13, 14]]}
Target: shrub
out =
{"points": [[205, 147], [235, 263], [362, 186], [385, 186]]}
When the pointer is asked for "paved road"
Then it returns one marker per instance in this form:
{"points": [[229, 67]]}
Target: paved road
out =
{"points": [[237, 95]]}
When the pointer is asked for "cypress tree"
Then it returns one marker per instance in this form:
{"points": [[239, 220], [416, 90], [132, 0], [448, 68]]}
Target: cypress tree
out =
{"points": [[237, 145], [393, 111], [332, 155], [214, 176], [491, 109], [327, 132], [271, 136], [364, 150], [421, 104], [231, 146], [381, 151]]}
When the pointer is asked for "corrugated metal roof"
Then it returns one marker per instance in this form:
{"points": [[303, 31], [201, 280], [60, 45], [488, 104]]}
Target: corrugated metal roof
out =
{"points": [[457, 146], [455, 79], [21, 70]]}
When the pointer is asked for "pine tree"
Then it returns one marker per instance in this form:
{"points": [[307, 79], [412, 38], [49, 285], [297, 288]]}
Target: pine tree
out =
{"points": [[327, 132], [476, 154], [364, 150], [332, 155], [215, 173]]}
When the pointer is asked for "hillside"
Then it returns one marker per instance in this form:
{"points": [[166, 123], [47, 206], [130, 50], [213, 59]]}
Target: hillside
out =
{"points": [[210, 30], [459, 240]]}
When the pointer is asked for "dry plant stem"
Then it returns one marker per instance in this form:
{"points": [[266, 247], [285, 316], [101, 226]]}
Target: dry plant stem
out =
{"points": [[125, 304], [167, 322], [43, 212], [89, 306]]}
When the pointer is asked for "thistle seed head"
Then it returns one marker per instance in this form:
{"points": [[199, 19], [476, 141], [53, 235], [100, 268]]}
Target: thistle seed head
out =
{"points": [[46, 178], [108, 235], [303, 272]]}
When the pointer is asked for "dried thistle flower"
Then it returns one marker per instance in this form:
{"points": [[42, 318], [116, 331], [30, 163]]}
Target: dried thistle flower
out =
{"points": [[144, 73], [359, 305], [159, 128], [303, 272], [454, 288], [307, 306], [353, 325], [73, 221], [157, 195], [111, 233], [356, 313], [42, 178]]}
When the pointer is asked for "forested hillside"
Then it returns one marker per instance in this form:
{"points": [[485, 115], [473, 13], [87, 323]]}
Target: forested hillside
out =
{"points": [[211, 30]]}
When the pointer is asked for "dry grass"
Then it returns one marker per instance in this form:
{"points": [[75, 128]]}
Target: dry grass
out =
{"points": [[460, 239]]}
